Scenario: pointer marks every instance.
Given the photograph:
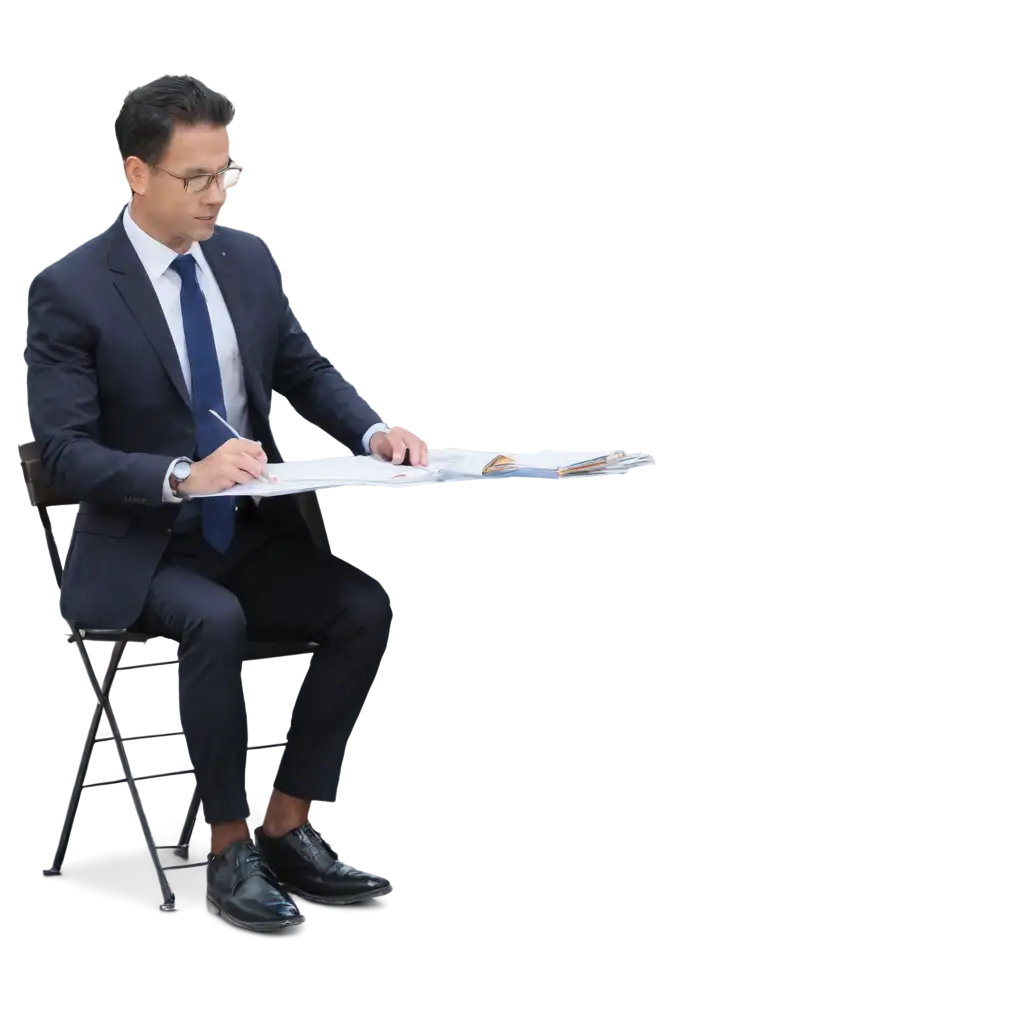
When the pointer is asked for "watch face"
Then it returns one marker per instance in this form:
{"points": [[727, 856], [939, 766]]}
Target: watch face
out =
{"points": [[182, 470]]}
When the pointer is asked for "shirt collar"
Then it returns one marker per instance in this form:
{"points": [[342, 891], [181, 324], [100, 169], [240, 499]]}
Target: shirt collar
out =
{"points": [[156, 257]]}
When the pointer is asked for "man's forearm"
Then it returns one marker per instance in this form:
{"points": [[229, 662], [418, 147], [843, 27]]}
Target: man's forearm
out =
{"points": [[327, 400], [83, 470]]}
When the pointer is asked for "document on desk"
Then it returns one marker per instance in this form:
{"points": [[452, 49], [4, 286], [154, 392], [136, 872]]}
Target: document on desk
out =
{"points": [[443, 464], [459, 464], [316, 474]]}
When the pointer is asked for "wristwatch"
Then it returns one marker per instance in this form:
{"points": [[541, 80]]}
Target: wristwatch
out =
{"points": [[180, 472]]}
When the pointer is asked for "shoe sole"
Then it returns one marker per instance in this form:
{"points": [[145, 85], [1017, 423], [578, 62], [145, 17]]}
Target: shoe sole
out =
{"points": [[263, 927], [367, 897]]}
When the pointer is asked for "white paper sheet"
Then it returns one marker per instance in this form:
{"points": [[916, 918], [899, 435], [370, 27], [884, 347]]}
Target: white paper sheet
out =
{"points": [[557, 460], [459, 461], [462, 462], [444, 464], [314, 474]]}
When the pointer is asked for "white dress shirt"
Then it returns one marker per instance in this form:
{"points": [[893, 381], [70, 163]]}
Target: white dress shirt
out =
{"points": [[156, 261]]}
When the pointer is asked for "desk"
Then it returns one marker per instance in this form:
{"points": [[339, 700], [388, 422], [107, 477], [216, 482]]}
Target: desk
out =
{"points": [[747, 479], [704, 634], [700, 657]]}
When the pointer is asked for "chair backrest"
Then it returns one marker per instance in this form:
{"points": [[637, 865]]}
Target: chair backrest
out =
{"points": [[50, 512]]}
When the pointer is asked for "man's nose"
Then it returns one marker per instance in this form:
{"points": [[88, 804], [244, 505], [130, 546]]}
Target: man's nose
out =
{"points": [[215, 193]]}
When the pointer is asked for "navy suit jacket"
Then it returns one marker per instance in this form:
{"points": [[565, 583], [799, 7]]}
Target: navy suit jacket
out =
{"points": [[109, 406]]}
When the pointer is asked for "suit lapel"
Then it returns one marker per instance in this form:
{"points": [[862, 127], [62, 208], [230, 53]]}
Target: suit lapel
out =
{"points": [[233, 287], [137, 290]]}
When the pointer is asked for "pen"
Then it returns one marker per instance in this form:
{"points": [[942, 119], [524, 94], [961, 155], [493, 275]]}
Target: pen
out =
{"points": [[264, 476]]}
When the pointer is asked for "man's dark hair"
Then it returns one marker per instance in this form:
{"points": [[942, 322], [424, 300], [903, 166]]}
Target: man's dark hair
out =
{"points": [[149, 114]]}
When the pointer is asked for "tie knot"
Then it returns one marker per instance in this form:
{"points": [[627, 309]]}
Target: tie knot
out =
{"points": [[185, 265]]}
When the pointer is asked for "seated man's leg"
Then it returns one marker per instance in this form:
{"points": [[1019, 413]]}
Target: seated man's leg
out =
{"points": [[290, 590], [212, 696], [208, 622]]}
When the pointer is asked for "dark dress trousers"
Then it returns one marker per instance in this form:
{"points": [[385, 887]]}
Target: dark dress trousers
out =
{"points": [[110, 408]]}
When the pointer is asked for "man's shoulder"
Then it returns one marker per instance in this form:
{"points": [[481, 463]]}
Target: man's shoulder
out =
{"points": [[239, 241], [85, 257], [245, 249]]}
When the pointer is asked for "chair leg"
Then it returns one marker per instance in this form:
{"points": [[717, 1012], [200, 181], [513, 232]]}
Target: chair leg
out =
{"points": [[100, 650], [192, 817], [102, 655], [140, 813], [55, 864]]}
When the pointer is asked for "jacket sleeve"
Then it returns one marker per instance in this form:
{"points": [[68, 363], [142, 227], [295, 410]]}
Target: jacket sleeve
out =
{"points": [[64, 409], [313, 386]]}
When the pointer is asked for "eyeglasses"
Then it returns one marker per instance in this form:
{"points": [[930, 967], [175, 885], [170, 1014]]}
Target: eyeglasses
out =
{"points": [[227, 177]]}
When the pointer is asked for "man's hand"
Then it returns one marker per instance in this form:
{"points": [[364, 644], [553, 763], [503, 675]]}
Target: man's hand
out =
{"points": [[234, 462], [394, 443]]}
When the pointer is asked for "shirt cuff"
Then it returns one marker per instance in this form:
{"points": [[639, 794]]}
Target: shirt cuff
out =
{"points": [[373, 430], [169, 495]]}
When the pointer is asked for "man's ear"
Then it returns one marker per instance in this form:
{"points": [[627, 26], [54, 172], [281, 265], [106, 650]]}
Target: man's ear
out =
{"points": [[123, 178], [137, 173]]}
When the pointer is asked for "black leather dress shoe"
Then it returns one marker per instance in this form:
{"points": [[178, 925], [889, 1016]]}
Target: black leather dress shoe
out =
{"points": [[243, 890], [308, 867]]}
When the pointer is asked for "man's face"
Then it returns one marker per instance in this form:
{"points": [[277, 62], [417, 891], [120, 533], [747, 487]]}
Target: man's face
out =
{"points": [[179, 215]]}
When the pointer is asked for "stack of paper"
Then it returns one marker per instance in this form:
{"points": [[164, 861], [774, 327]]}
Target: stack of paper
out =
{"points": [[457, 463], [313, 474], [330, 472]]}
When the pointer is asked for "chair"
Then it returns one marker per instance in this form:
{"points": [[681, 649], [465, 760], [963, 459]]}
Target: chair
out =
{"points": [[100, 650], [131, 752]]}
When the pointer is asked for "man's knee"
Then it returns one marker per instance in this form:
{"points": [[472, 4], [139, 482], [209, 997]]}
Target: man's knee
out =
{"points": [[368, 608], [218, 625]]}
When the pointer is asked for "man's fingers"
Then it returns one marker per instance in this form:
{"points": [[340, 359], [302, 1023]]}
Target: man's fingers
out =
{"points": [[417, 451], [240, 462], [228, 477], [252, 466], [238, 475], [397, 451], [236, 445]]}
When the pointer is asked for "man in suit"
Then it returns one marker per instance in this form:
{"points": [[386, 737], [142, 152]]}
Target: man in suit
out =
{"points": [[134, 340]]}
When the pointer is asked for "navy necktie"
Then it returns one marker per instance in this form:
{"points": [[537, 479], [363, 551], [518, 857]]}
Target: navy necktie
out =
{"points": [[207, 393]]}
